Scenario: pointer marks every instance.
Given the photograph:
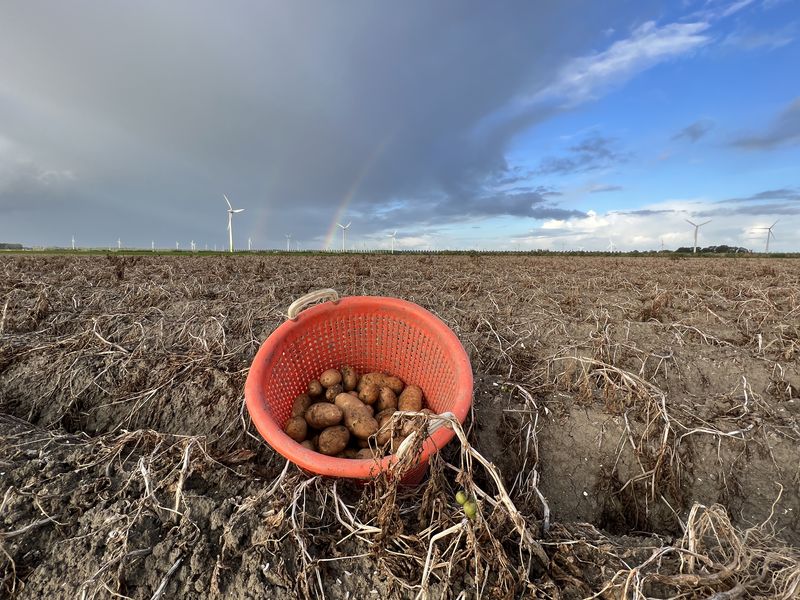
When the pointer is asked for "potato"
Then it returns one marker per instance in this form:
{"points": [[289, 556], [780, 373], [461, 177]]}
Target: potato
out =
{"points": [[309, 445], [366, 454], [353, 393], [410, 399], [361, 425], [369, 393], [300, 405], [381, 380], [333, 440], [383, 418], [330, 378], [315, 388], [333, 391], [357, 416], [386, 400], [396, 441], [362, 443], [296, 428], [348, 453], [322, 415], [349, 378], [347, 402]]}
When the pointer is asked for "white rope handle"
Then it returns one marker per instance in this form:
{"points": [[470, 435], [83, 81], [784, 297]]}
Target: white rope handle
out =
{"points": [[435, 422], [303, 302]]}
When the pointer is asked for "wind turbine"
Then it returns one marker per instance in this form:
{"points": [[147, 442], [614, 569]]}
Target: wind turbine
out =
{"points": [[249, 245], [393, 236], [610, 245], [231, 211], [769, 233], [696, 227], [192, 245], [344, 232], [153, 245], [119, 244], [177, 245], [73, 243], [288, 238]]}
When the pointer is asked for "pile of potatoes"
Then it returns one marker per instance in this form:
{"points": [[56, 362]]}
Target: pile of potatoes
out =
{"points": [[343, 415]]}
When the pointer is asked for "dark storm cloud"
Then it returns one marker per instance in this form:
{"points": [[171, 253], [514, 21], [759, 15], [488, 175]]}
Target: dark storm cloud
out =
{"points": [[776, 194], [595, 152], [451, 210], [695, 131], [783, 131], [156, 109]]}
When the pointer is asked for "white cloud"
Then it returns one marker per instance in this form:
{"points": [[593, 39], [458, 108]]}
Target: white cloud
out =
{"points": [[586, 77], [645, 228]]}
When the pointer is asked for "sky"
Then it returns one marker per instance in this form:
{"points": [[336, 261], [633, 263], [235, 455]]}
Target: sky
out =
{"points": [[458, 123]]}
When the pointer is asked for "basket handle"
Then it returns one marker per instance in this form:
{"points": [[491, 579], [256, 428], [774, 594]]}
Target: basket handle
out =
{"points": [[296, 307]]}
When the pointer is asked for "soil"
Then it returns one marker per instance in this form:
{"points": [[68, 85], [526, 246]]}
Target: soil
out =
{"points": [[624, 401]]}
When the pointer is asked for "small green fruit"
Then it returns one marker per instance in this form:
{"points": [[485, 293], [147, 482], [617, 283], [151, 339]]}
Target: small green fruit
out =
{"points": [[461, 497], [470, 509]]}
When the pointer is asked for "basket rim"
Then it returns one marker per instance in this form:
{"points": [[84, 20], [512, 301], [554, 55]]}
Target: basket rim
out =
{"points": [[320, 464]]}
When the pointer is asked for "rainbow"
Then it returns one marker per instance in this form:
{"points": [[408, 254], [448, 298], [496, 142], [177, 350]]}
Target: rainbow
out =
{"points": [[353, 189]]}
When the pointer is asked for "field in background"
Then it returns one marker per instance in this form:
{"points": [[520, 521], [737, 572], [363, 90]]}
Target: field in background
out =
{"points": [[644, 414]]}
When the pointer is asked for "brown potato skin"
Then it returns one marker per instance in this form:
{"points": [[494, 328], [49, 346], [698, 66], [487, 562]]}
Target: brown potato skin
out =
{"points": [[382, 380], [365, 454], [309, 445], [323, 415], [348, 453], [362, 444], [361, 425], [315, 388], [386, 400], [330, 378], [357, 416], [300, 405], [353, 393], [383, 417], [369, 393], [410, 399], [333, 440], [296, 428], [349, 378], [333, 391]]}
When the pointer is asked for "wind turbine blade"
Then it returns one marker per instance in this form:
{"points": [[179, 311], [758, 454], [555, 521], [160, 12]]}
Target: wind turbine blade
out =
{"points": [[706, 223], [237, 210], [348, 225], [690, 223], [775, 223], [228, 201], [340, 225]]}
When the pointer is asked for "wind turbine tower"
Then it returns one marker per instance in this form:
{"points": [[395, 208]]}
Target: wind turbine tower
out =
{"points": [[73, 243], [119, 244], [344, 232], [153, 245], [249, 245], [288, 241], [696, 227], [769, 234], [231, 211], [393, 236]]}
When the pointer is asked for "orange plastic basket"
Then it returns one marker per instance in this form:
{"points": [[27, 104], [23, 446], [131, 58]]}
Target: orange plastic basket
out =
{"points": [[369, 333]]}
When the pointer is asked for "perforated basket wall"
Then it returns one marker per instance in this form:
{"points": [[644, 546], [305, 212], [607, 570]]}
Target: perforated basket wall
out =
{"points": [[370, 334]]}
